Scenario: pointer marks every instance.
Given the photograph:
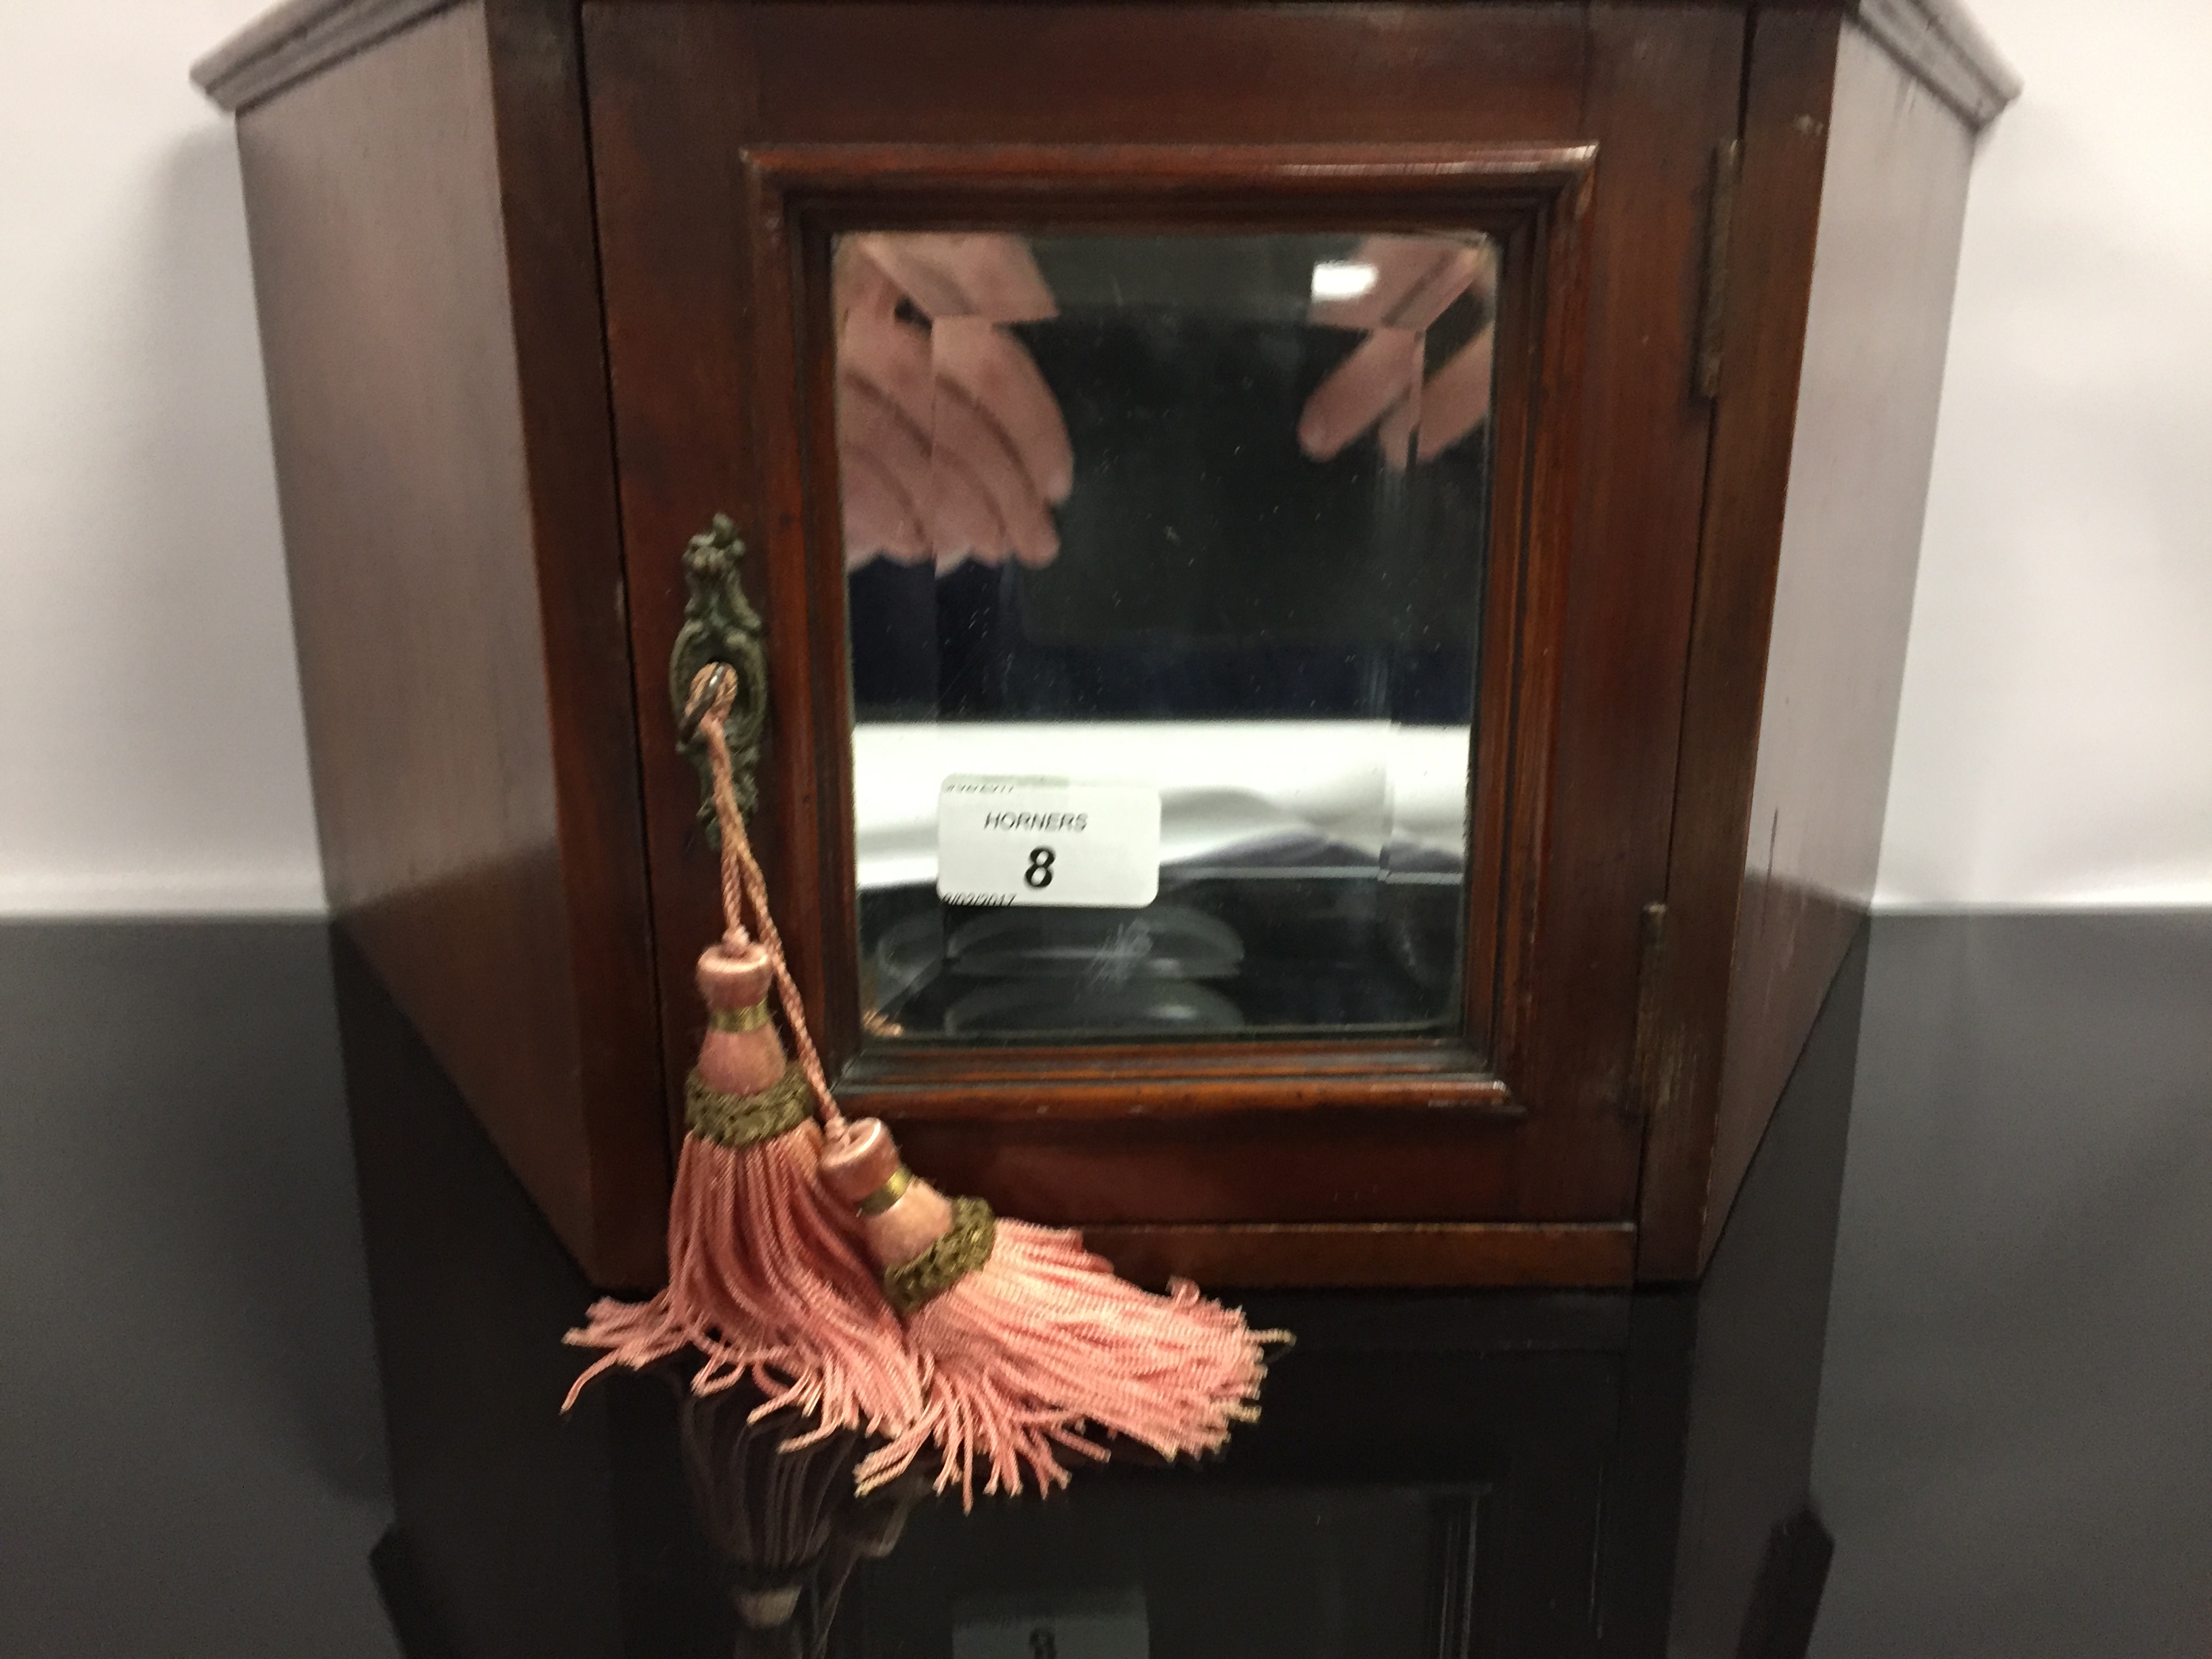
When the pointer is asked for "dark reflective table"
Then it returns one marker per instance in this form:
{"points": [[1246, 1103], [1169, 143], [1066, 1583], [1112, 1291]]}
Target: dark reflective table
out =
{"points": [[1942, 1392]]}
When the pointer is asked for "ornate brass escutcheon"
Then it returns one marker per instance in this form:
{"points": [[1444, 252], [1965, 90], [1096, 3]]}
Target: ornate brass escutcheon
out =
{"points": [[720, 626]]}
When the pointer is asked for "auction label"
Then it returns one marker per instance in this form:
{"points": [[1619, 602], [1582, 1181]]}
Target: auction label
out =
{"points": [[1047, 840]]}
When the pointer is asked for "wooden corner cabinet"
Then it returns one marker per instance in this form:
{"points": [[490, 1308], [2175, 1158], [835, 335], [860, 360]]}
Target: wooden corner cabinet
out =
{"points": [[1333, 578]]}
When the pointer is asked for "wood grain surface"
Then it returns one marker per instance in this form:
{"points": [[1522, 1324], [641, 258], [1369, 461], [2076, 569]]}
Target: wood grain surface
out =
{"points": [[1346, 1257], [447, 498], [1877, 317], [1846, 241], [479, 287], [1785, 148], [817, 118]]}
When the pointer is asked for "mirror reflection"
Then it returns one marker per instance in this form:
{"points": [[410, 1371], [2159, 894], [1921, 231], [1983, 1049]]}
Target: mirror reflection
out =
{"points": [[1131, 1566], [1165, 558], [777, 1504]]}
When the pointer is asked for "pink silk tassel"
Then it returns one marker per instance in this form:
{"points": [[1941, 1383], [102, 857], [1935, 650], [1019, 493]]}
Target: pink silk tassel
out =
{"points": [[766, 1276], [1019, 1348], [1043, 1352]]}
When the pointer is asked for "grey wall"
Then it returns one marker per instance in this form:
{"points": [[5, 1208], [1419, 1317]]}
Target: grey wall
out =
{"points": [[191, 1458]]}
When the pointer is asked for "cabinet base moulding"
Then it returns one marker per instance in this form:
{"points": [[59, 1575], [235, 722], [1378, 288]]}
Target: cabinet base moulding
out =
{"points": [[1348, 1255]]}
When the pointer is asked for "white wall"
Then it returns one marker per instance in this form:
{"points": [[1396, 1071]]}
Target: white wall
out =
{"points": [[151, 753], [2056, 744]]}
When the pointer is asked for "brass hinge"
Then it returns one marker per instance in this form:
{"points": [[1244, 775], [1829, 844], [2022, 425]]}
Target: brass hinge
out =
{"points": [[1651, 957], [1728, 172]]}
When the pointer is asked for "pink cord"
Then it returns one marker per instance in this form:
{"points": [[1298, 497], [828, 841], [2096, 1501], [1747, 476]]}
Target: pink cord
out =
{"points": [[742, 882]]}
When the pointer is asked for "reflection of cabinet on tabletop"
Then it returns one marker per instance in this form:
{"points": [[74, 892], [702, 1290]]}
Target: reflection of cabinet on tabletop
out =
{"points": [[1333, 581]]}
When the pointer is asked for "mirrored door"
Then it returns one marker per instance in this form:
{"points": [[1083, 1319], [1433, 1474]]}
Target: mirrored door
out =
{"points": [[1265, 436], [1165, 558]]}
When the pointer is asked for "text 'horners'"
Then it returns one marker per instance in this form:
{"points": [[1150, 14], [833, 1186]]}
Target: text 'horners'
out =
{"points": [[1076, 841]]}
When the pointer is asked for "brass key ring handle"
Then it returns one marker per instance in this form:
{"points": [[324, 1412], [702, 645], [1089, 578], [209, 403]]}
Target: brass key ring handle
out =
{"points": [[720, 627]]}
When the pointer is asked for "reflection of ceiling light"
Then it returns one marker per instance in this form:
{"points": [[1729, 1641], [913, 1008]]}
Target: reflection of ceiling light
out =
{"points": [[1342, 279]]}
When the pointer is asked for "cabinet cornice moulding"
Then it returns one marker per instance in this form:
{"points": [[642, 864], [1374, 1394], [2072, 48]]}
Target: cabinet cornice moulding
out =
{"points": [[1937, 40]]}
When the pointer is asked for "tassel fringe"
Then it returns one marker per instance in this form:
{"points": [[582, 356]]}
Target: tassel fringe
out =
{"points": [[767, 1282], [1042, 1354]]}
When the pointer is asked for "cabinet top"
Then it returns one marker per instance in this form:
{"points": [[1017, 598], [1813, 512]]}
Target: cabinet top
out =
{"points": [[1937, 40]]}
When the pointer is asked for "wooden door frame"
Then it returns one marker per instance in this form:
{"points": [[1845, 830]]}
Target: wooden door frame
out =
{"points": [[1533, 201]]}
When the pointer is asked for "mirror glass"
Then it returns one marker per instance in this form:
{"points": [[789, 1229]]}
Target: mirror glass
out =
{"points": [[1165, 557]]}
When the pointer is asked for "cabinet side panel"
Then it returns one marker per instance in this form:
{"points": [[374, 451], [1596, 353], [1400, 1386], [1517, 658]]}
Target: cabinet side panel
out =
{"points": [[1769, 279], [373, 194], [1884, 269]]}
